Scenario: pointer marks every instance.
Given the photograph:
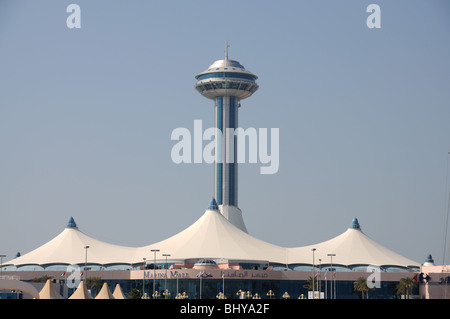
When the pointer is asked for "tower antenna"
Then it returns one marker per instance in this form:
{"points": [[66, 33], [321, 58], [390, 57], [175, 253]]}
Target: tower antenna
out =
{"points": [[226, 50]]}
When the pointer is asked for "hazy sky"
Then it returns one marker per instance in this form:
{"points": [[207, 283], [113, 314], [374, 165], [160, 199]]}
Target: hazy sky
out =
{"points": [[86, 117]]}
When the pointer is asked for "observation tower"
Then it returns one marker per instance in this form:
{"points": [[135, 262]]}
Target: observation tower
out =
{"points": [[226, 82]]}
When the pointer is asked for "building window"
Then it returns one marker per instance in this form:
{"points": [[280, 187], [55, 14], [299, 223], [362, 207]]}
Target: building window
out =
{"points": [[226, 75]]}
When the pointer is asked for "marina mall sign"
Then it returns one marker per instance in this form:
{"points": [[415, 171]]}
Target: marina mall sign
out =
{"points": [[204, 274], [374, 275]]}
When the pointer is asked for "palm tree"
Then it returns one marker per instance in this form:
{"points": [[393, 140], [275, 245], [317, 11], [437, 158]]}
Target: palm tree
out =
{"points": [[405, 286], [309, 284], [360, 285], [94, 283], [134, 294]]}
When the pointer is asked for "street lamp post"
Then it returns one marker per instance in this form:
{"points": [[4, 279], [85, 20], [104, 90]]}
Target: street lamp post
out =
{"points": [[331, 279], [165, 279], [143, 277], [319, 278], [1, 264], [154, 270], [85, 264], [176, 274], [314, 274], [200, 277], [223, 283]]}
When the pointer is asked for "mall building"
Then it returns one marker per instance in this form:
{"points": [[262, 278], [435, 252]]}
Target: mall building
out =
{"points": [[213, 256]]}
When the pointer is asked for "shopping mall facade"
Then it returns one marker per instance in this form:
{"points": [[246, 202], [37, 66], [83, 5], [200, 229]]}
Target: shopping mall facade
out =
{"points": [[235, 284]]}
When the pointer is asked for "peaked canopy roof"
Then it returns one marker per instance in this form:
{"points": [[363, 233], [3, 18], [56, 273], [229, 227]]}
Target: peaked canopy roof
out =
{"points": [[118, 294], [212, 236], [81, 292], [351, 248], [105, 293], [49, 291], [69, 248]]}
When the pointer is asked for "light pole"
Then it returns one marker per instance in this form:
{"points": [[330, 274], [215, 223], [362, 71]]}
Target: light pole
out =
{"points": [[1, 264], [165, 279], [143, 277], [270, 294], [331, 280], [319, 277], [314, 275], [154, 270], [176, 274], [85, 264], [200, 275], [223, 283]]}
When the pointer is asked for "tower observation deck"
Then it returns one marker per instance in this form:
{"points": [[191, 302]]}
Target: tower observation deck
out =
{"points": [[226, 82]]}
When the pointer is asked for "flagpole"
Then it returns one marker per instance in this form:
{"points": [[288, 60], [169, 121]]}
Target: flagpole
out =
{"points": [[176, 274], [223, 284], [314, 274], [320, 277], [66, 288], [332, 275], [200, 276]]}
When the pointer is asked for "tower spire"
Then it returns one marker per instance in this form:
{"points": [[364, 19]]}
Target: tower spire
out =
{"points": [[226, 50]]}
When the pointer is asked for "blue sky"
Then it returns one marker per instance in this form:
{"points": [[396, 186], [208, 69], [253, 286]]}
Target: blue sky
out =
{"points": [[86, 117]]}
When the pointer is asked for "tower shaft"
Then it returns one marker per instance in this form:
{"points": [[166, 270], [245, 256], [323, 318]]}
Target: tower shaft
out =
{"points": [[226, 166]]}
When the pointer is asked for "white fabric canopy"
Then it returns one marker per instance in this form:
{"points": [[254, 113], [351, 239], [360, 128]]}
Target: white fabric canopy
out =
{"points": [[118, 294], [213, 236], [81, 292], [105, 293], [351, 248], [68, 248], [49, 291]]}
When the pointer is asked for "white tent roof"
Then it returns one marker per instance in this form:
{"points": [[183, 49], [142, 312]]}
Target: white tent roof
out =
{"points": [[68, 248], [351, 248], [212, 236], [49, 291], [81, 292], [118, 294], [105, 293]]}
